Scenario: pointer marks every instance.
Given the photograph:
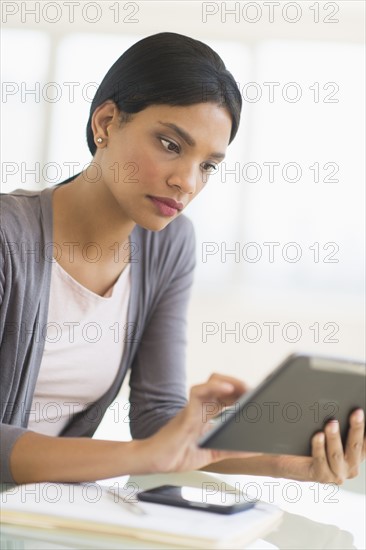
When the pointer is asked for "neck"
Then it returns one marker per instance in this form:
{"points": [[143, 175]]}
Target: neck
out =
{"points": [[86, 212]]}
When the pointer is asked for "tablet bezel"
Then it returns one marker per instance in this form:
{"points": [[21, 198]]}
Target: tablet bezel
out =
{"points": [[317, 364]]}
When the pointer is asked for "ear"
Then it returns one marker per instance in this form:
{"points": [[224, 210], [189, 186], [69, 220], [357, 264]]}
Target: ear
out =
{"points": [[104, 115]]}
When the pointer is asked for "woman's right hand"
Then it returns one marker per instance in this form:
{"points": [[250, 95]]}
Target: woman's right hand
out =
{"points": [[36, 457], [174, 447]]}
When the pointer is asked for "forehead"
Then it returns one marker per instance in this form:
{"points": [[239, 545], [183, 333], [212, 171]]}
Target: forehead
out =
{"points": [[207, 123]]}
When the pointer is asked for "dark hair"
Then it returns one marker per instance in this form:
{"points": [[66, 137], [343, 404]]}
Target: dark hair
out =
{"points": [[167, 68]]}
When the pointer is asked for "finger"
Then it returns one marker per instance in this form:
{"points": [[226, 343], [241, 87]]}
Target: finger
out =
{"points": [[239, 385], [321, 471], [208, 400], [355, 440], [334, 449], [218, 390]]}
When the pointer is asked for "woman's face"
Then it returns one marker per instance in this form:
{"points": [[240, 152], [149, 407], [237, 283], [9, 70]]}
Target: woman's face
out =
{"points": [[155, 164]]}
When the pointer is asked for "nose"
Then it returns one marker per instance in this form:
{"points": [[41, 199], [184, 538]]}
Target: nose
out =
{"points": [[184, 178]]}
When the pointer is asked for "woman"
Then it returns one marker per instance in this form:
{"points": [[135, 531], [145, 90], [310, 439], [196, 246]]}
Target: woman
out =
{"points": [[109, 250]]}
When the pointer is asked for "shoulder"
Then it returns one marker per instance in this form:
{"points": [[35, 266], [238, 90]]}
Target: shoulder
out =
{"points": [[25, 230], [175, 239], [179, 233], [20, 213], [165, 253]]}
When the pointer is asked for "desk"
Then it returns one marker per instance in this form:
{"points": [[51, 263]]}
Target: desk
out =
{"points": [[316, 516]]}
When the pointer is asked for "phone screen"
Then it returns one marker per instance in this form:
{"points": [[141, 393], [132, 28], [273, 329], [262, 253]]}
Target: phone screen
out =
{"points": [[202, 498]]}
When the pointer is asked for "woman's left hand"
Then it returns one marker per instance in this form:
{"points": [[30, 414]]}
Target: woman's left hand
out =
{"points": [[329, 463]]}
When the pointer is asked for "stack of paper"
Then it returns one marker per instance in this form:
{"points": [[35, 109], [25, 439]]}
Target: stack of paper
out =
{"points": [[89, 508]]}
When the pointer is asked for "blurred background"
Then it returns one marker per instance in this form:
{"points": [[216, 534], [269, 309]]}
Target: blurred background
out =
{"points": [[280, 227]]}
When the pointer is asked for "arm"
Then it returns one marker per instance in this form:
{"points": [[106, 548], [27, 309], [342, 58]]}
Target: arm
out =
{"points": [[158, 380], [263, 465], [37, 458]]}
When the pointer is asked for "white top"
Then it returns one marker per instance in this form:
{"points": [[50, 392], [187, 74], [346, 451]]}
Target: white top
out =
{"points": [[83, 350]]}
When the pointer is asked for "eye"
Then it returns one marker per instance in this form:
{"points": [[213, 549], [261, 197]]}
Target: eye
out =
{"points": [[210, 167], [171, 146]]}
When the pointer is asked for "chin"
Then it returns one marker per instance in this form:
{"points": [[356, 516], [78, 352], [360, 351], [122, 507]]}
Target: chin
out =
{"points": [[154, 225]]}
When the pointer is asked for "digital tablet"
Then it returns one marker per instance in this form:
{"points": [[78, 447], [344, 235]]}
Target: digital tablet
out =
{"points": [[295, 401]]}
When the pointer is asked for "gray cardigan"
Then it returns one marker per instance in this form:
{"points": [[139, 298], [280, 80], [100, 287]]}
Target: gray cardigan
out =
{"points": [[162, 266]]}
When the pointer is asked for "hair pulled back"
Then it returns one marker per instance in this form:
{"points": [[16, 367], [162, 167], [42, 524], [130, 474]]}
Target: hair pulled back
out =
{"points": [[167, 68]]}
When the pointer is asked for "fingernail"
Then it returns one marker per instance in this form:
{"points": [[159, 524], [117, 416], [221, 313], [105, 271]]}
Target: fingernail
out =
{"points": [[333, 426], [226, 386], [359, 415], [320, 438]]}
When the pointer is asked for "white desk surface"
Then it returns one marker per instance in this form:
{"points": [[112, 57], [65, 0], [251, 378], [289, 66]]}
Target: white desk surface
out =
{"points": [[316, 516]]}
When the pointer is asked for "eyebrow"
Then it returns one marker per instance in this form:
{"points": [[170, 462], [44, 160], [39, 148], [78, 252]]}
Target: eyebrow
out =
{"points": [[187, 138]]}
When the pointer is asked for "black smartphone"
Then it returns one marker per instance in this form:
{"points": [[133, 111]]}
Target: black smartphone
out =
{"points": [[206, 498]]}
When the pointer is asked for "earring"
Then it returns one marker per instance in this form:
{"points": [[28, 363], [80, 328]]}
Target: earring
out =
{"points": [[99, 140]]}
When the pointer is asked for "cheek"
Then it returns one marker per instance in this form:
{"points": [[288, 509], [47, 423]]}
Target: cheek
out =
{"points": [[150, 170]]}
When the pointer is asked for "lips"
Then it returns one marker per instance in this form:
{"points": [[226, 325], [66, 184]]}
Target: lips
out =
{"points": [[166, 206], [170, 202]]}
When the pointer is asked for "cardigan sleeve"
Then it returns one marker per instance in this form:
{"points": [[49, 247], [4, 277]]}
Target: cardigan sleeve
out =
{"points": [[8, 437], [158, 380], [8, 434], [22, 286], [2, 267]]}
